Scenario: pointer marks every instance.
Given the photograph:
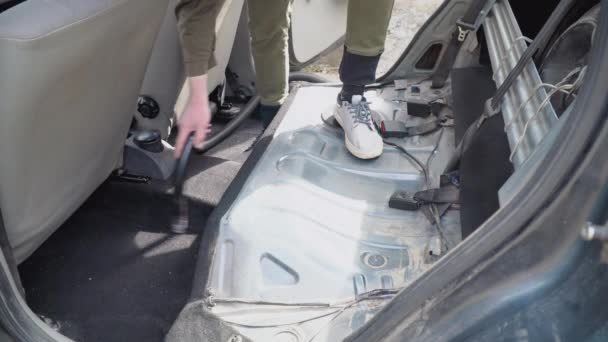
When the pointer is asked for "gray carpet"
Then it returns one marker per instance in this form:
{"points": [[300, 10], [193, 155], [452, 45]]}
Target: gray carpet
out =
{"points": [[485, 166], [113, 271]]}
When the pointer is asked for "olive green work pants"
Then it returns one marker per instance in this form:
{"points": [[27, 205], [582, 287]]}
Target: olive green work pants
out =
{"points": [[366, 30]]}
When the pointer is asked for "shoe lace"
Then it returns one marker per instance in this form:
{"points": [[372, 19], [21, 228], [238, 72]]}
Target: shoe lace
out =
{"points": [[361, 114]]}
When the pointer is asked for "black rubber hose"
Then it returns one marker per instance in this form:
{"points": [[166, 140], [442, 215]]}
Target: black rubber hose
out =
{"points": [[300, 76], [246, 112], [251, 106]]}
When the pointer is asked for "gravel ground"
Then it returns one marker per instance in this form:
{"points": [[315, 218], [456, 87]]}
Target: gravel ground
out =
{"points": [[408, 16]]}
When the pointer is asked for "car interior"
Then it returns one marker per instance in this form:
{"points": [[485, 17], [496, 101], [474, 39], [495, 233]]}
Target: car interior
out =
{"points": [[290, 237]]}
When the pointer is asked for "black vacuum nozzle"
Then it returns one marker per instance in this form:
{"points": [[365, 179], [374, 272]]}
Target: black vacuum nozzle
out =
{"points": [[180, 221]]}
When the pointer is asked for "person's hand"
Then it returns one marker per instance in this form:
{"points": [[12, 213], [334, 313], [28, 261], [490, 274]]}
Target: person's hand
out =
{"points": [[195, 118]]}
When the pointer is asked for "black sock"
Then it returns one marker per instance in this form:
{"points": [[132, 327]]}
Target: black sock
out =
{"points": [[348, 91], [356, 72]]}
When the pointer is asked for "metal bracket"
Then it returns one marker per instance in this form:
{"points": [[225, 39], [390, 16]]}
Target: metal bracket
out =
{"points": [[209, 299], [489, 111], [464, 28], [462, 33], [592, 232], [121, 175], [484, 13]]}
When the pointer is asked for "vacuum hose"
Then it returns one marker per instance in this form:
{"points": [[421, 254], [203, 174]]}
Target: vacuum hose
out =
{"points": [[251, 106], [232, 125], [300, 76], [180, 221]]}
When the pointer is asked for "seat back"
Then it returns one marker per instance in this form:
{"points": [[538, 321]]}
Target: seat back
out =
{"points": [[71, 71]]}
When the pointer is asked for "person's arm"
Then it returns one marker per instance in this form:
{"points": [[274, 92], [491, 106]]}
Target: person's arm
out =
{"points": [[196, 21]]}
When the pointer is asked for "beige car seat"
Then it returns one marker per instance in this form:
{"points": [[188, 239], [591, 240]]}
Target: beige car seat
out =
{"points": [[70, 71]]}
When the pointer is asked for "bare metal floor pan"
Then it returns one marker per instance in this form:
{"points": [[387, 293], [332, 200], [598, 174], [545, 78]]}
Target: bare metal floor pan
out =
{"points": [[312, 223]]}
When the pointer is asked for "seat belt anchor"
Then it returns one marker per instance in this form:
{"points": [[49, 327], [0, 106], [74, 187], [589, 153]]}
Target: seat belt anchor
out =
{"points": [[462, 34], [464, 29]]}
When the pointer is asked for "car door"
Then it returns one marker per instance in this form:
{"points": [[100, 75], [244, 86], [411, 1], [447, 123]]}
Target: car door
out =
{"points": [[316, 27]]}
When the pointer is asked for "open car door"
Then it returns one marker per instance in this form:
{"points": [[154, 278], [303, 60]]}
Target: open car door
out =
{"points": [[316, 27]]}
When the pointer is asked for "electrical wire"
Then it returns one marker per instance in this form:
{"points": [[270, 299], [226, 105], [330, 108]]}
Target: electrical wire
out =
{"points": [[338, 315], [534, 93], [433, 152], [437, 219], [433, 206], [371, 295], [329, 322], [412, 158], [523, 104], [559, 87], [250, 326], [214, 301], [426, 171], [527, 124]]}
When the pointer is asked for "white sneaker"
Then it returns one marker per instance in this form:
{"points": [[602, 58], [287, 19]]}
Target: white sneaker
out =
{"points": [[360, 134]]}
